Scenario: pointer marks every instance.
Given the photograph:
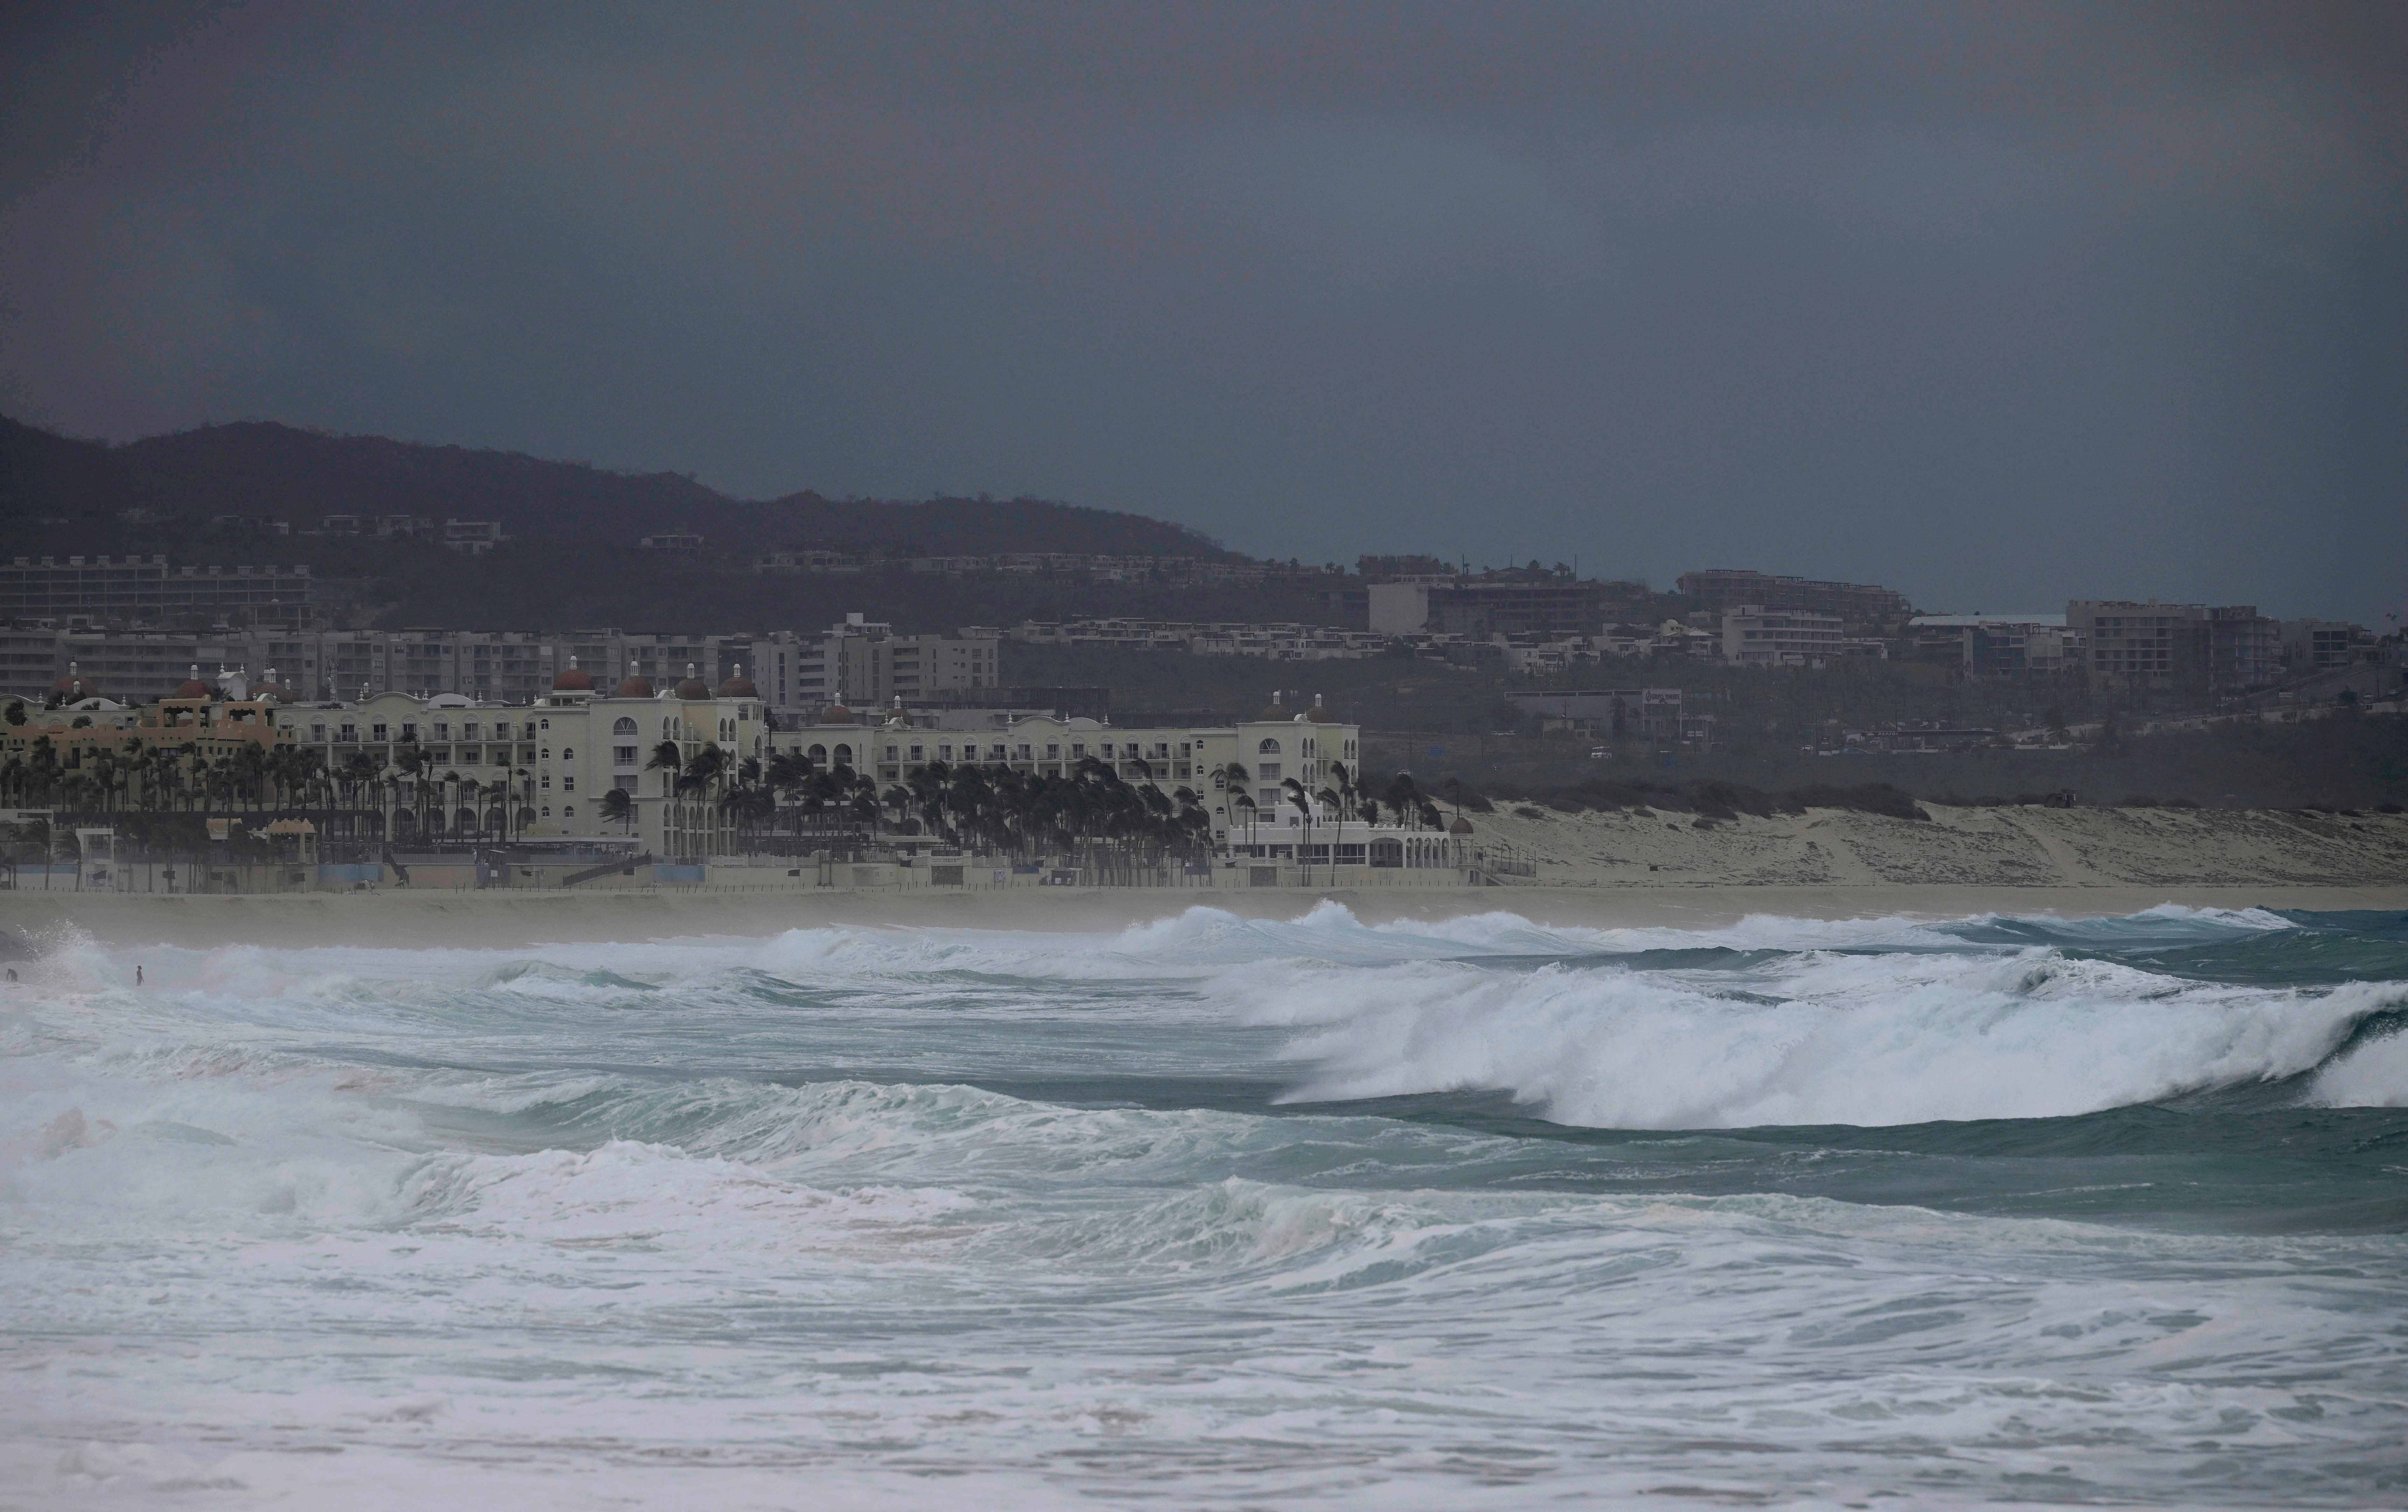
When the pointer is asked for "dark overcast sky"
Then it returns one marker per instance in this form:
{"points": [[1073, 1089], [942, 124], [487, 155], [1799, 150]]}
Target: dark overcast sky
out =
{"points": [[1995, 304]]}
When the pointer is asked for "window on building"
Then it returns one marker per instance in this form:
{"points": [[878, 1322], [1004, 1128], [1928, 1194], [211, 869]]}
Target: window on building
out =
{"points": [[1268, 748], [623, 727], [569, 753], [376, 731], [1268, 772], [623, 755], [1052, 752], [570, 812], [318, 731], [567, 784]]}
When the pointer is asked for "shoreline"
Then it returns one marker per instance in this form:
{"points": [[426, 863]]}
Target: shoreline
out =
{"points": [[499, 920]]}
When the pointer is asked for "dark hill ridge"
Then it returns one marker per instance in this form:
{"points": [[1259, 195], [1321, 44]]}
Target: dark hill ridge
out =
{"points": [[259, 467]]}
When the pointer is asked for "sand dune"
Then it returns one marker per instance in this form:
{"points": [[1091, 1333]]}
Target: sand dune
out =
{"points": [[1990, 848]]}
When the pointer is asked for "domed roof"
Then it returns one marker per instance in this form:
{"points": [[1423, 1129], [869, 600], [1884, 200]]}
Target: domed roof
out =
{"points": [[838, 714], [635, 687], [738, 686], [1277, 710], [694, 688], [1460, 826], [192, 688], [573, 679], [1318, 713]]}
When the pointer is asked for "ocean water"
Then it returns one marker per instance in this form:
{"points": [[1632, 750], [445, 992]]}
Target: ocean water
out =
{"points": [[1218, 1213]]}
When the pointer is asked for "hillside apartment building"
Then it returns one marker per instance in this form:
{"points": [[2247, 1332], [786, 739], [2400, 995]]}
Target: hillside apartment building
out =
{"points": [[859, 661], [2167, 647]]}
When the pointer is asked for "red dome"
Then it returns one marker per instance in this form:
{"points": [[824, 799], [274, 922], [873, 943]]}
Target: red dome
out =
{"points": [[573, 680], [635, 687], [193, 688]]}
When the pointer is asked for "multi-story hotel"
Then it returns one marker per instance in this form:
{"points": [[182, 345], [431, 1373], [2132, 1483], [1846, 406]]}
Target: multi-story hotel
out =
{"points": [[580, 768], [860, 663], [1238, 773]]}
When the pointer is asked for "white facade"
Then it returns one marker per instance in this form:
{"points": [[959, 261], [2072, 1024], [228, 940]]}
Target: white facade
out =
{"points": [[1304, 747], [1755, 637], [449, 768]]}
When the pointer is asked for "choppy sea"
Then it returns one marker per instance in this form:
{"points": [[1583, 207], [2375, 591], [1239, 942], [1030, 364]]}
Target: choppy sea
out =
{"points": [[1219, 1213]]}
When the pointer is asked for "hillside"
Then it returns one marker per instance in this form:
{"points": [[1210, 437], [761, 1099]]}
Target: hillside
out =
{"points": [[62, 494]]}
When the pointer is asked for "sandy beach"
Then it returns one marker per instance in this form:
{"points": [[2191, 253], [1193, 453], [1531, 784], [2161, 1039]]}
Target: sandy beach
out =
{"points": [[1601, 870]]}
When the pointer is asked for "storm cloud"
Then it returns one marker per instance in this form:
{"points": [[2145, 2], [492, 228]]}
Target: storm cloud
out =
{"points": [[1999, 305]]}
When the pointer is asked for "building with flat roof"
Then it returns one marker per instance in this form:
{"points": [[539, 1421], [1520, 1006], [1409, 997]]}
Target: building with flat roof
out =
{"points": [[2175, 648], [855, 660], [1757, 636], [1721, 589], [1986, 646], [1497, 603], [146, 591]]}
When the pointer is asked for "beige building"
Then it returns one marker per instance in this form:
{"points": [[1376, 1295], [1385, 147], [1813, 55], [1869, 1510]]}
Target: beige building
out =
{"points": [[1754, 635], [448, 768], [1305, 745]]}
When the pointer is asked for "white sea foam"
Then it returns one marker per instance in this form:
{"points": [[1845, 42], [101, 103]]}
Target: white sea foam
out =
{"points": [[889, 1218], [1865, 1040], [2375, 1073]]}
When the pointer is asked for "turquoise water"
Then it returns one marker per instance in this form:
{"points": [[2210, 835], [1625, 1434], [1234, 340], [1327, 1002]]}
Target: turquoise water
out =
{"points": [[1220, 1213]]}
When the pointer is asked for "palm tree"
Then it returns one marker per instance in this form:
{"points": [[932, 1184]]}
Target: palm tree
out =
{"points": [[1302, 801], [619, 807]]}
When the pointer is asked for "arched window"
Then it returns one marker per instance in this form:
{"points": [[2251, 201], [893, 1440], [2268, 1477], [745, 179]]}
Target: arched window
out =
{"points": [[818, 755], [464, 822], [569, 812], [526, 815], [624, 727], [569, 753], [1268, 748], [844, 755], [547, 810]]}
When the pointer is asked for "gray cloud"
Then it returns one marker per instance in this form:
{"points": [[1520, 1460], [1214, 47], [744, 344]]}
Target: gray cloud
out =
{"points": [[1998, 304]]}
